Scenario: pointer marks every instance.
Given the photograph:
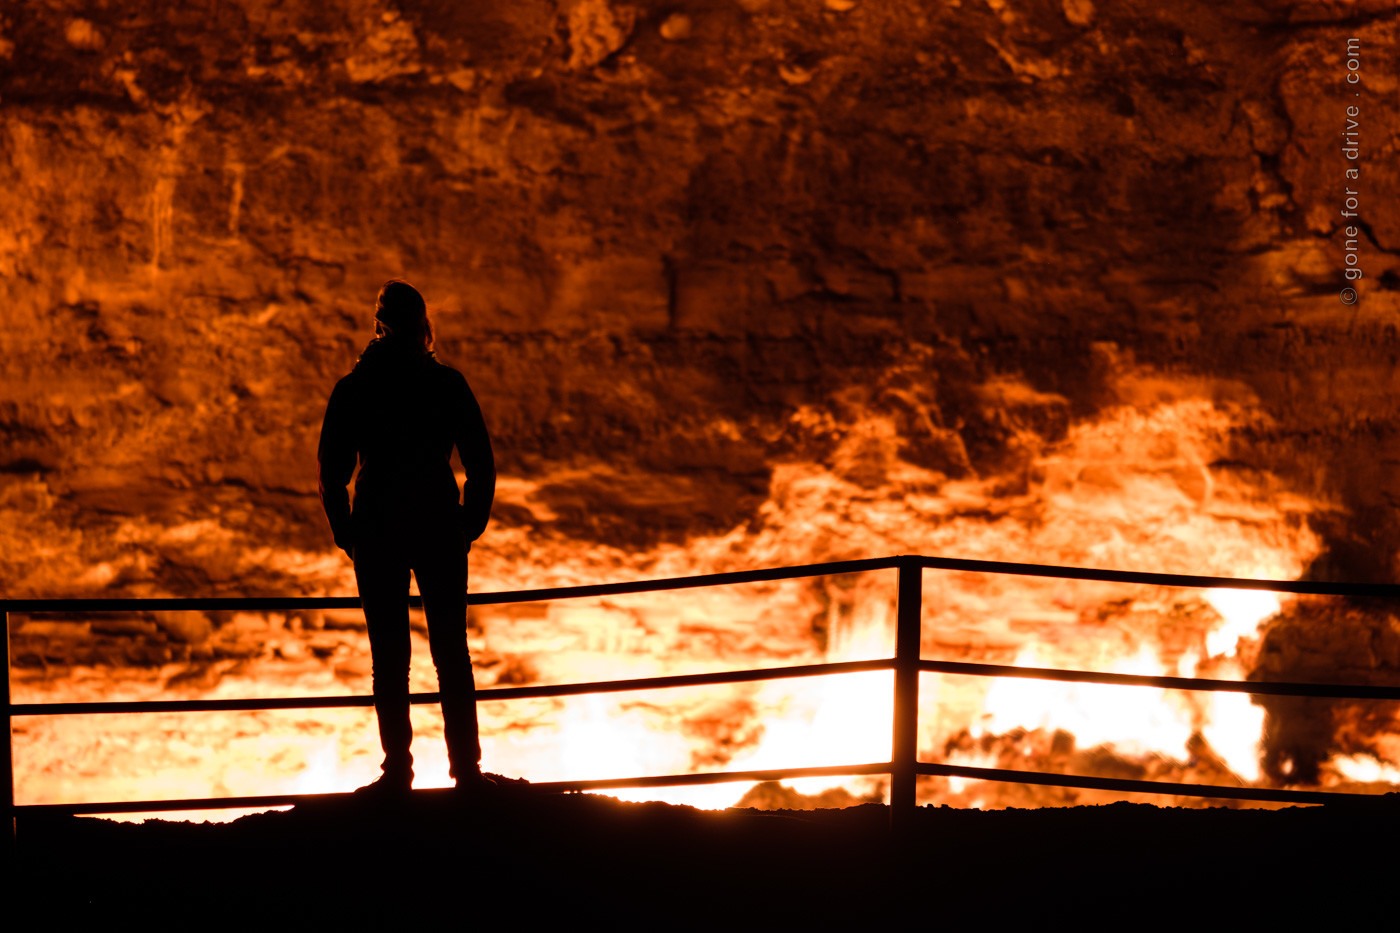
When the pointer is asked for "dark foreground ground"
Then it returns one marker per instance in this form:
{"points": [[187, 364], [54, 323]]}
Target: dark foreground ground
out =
{"points": [[531, 862]]}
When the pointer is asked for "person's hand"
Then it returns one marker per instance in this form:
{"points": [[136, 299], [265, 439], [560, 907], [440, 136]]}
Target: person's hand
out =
{"points": [[472, 525]]}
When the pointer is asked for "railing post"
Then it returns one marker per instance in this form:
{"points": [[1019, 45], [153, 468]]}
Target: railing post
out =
{"points": [[9, 738], [904, 746]]}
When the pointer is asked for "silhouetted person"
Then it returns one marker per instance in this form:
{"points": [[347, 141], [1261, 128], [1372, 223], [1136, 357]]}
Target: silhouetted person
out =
{"points": [[399, 413]]}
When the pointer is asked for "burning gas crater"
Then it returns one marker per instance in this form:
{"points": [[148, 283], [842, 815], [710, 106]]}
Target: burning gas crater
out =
{"points": [[1135, 488], [1135, 723]]}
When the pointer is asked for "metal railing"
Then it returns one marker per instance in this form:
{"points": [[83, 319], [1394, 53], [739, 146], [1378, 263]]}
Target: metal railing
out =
{"points": [[903, 766]]}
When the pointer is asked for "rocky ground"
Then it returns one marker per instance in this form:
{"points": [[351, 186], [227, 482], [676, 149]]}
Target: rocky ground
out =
{"points": [[534, 862], [738, 282]]}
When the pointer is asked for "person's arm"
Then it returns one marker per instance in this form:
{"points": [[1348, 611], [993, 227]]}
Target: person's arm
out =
{"points": [[336, 456], [474, 447]]}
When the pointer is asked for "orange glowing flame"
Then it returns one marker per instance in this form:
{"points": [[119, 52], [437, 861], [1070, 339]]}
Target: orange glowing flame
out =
{"points": [[1133, 488]]}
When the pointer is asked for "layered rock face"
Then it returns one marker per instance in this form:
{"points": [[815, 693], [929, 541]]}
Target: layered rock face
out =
{"points": [[651, 233], [737, 282]]}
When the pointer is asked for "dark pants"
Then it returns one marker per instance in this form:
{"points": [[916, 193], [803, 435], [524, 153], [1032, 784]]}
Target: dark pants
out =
{"points": [[436, 552]]}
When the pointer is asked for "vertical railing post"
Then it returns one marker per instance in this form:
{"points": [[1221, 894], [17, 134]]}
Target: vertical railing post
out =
{"points": [[904, 746], [9, 738]]}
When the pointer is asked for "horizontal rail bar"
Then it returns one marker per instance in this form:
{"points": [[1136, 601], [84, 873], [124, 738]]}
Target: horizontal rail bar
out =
{"points": [[1382, 590], [764, 575], [199, 706], [1260, 688], [156, 806], [738, 577], [688, 680], [1209, 791], [482, 696], [548, 787], [1256, 687], [711, 777], [475, 599], [166, 603], [1002, 775], [1303, 587]]}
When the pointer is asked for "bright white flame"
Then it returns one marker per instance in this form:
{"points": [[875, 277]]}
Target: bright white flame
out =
{"points": [[700, 796], [595, 741], [1365, 769], [847, 721], [599, 740], [1234, 728], [322, 774], [1242, 611], [227, 815], [1131, 718]]}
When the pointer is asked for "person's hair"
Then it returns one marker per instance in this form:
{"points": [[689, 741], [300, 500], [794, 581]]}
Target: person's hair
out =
{"points": [[402, 315]]}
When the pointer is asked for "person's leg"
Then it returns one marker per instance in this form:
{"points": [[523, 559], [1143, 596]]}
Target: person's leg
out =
{"points": [[381, 570], [441, 568]]}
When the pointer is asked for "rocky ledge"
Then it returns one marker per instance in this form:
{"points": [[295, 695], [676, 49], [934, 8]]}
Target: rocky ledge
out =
{"points": [[526, 859]]}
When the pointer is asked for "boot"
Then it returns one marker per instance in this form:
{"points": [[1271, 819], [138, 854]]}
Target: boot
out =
{"points": [[393, 783]]}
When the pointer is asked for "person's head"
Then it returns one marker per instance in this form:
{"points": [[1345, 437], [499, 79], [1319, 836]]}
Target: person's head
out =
{"points": [[400, 315]]}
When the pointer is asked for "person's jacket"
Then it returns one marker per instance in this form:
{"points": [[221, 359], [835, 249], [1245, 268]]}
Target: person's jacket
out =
{"points": [[398, 414]]}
